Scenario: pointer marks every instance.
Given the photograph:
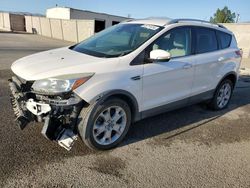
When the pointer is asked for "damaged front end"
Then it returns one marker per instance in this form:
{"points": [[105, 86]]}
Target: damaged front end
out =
{"points": [[58, 112]]}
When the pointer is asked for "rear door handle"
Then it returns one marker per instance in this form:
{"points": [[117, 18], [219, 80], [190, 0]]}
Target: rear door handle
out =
{"points": [[187, 66], [136, 78], [221, 59]]}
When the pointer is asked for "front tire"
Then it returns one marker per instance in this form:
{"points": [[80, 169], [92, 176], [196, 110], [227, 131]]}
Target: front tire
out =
{"points": [[222, 95], [103, 125]]}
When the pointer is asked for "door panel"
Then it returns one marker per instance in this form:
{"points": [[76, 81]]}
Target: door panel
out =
{"points": [[167, 82], [208, 60], [206, 69]]}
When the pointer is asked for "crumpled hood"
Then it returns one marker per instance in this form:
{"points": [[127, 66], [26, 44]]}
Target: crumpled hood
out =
{"points": [[62, 61]]}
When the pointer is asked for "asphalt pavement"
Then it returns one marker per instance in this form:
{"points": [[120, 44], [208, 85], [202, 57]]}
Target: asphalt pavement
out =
{"points": [[190, 147]]}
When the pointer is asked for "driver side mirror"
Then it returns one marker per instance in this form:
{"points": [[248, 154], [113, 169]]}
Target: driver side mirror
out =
{"points": [[159, 55]]}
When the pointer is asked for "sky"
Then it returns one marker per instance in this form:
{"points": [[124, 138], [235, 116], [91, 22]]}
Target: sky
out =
{"points": [[198, 9]]}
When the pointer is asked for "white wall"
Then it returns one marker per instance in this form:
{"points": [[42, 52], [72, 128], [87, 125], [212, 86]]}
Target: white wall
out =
{"points": [[12, 22], [56, 28], [28, 24], [69, 30], [242, 34], [1, 20], [58, 13], [36, 25], [5, 21], [45, 27], [6, 17], [85, 29]]}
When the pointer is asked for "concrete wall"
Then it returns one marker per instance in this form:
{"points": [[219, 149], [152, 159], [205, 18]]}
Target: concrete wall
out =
{"points": [[85, 29], [45, 27], [56, 29], [69, 30], [6, 18], [242, 34], [5, 21], [28, 23], [1, 20], [12, 22], [36, 25]]}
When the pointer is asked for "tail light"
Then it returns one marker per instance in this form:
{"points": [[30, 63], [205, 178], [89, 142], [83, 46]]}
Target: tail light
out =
{"points": [[239, 52]]}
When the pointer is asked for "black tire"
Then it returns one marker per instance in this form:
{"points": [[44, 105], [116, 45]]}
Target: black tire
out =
{"points": [[214, 102], [87, 119]]}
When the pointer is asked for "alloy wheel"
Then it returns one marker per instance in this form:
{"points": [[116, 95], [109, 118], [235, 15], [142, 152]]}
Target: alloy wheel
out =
{"points": [[224, 95], [109, 125]]}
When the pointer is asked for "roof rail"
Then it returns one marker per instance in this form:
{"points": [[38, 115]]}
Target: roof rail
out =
{"points": [[195, 20]]}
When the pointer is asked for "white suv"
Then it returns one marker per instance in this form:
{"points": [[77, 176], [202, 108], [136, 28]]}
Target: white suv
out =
{"points": [[128, 72]]}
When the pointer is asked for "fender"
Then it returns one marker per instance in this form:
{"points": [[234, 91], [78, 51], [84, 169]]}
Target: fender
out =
{"points": [[125, 95], [226, 75]]}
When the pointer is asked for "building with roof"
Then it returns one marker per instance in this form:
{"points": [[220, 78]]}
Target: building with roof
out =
{"points": [[102, 20]]}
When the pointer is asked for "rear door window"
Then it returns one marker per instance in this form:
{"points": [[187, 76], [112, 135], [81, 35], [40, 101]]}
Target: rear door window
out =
{"points": [[206, 40], [224, 39]]}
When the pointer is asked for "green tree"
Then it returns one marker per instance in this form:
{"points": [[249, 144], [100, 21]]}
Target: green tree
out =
{"points": [[223, 16]]}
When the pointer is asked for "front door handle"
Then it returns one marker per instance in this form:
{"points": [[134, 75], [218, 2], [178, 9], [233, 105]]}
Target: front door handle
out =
{"points": [[187, 66]]}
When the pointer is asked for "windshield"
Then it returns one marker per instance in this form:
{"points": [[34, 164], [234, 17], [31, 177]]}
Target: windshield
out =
{"points": [[117, 41]]}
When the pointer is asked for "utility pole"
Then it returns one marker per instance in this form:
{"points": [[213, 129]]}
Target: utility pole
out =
{"points": [[237, 18]]}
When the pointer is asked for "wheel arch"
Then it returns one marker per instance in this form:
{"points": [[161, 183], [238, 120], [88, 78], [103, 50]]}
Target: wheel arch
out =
{"points": [[231, 76], [127, 97]]}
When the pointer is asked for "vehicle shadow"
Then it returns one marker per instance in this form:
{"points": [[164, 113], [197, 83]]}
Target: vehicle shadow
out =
{"points": [[178, 122]]}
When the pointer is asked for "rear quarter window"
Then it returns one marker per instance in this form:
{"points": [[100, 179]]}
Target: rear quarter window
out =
{"points": [[224, 39]]}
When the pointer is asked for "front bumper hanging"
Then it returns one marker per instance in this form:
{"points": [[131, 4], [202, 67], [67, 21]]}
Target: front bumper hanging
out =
{"points": [[59, 115]]}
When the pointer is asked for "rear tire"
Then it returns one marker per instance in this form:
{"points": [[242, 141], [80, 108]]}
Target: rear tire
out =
{"points": [[103, 125], [222, 95]]}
